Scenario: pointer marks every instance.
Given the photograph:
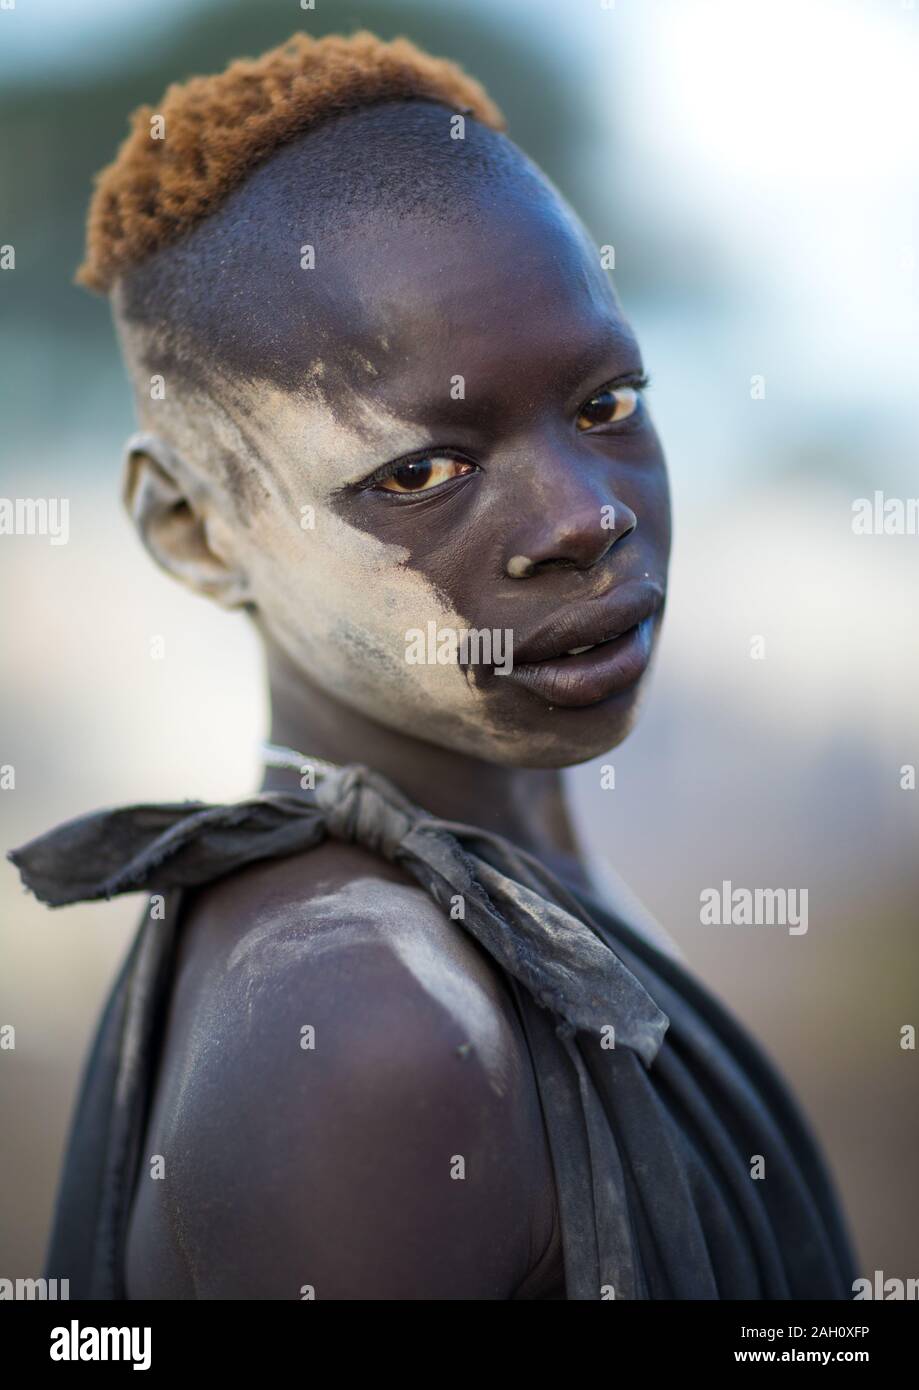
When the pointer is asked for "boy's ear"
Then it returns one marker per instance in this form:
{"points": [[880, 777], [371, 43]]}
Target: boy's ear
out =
{"points": [[176, 530]]}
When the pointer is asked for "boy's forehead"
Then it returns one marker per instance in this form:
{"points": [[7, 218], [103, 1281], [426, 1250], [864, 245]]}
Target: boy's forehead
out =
{"points": [[400, 306]]}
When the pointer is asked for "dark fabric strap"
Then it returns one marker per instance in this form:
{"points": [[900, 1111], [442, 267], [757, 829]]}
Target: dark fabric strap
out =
{"points": [[563, 964]]}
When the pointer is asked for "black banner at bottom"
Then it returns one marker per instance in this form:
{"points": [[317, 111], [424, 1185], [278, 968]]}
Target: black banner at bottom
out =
{"points": [[256, 1338]]}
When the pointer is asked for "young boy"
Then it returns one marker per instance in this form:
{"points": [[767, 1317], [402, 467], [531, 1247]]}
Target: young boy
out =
{"points": [[377, 1037]]}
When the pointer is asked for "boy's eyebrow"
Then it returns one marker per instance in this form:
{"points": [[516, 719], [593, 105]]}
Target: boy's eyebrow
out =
{"points": [[613, 346], [609, 347]]}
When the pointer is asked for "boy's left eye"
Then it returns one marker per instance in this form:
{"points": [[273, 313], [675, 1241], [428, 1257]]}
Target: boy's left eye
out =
{"points": [[608, 407], [421, 475]]}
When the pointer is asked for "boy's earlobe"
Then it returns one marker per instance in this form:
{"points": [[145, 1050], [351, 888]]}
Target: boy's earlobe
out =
{"points": [[175, 527]]}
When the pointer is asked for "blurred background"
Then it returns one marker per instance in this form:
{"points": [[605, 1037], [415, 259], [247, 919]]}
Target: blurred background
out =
{"points": [[753, 162]]}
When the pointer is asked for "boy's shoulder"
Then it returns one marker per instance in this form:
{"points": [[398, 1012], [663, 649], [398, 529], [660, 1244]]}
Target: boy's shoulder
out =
{"points": [[348, 1070], [334, 966], [338, 922]]}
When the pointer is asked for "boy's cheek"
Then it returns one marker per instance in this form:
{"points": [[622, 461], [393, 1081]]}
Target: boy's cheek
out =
{"points": [[343, 604]]}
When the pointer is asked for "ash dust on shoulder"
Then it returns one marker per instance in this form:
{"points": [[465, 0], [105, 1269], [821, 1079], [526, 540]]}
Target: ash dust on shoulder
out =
{"points": [[373, 937]]}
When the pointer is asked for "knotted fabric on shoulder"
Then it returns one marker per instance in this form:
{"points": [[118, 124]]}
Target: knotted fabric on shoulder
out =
{"points": [[557, 957]]}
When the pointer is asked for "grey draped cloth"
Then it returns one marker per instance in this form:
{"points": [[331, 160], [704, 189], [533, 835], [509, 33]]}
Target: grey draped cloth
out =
{"points": [[656, 1103]]}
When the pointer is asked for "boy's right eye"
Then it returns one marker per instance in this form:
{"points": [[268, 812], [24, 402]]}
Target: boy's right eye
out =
{"points": [[422, 474]]}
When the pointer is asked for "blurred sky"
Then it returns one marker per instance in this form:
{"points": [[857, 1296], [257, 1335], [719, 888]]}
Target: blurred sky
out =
{"points": [[754, 164]]}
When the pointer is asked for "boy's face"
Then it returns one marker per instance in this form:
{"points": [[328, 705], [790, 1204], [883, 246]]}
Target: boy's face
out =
{"points": [[489, 355]]}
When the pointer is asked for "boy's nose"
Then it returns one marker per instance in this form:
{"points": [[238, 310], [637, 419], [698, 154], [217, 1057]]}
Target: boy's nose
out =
{"points": [[577, 528]]}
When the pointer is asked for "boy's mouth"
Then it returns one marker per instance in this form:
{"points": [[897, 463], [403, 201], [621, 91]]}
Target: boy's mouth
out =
{"points": [[611, 650]]}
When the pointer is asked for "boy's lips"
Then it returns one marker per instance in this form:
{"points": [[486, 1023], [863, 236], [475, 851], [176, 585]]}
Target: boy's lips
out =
{"points": [[617, 632]]}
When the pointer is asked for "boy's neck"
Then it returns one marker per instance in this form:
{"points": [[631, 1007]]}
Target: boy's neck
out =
{"points": [[526, 805]]}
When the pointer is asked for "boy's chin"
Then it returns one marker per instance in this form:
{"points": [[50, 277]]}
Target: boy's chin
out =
{"points": [[555, 738]]}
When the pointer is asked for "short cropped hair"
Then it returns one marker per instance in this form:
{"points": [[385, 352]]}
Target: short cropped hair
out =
{"points": [[215, 129]]}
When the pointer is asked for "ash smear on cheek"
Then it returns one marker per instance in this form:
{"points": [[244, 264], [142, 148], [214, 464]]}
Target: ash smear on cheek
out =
{"points": [[299, 439], [245, 485], [254, 409], [366, 651], [351, 635]]}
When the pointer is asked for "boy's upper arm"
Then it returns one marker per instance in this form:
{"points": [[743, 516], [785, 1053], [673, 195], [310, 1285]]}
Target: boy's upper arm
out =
{"points": [[367, 1124]]}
